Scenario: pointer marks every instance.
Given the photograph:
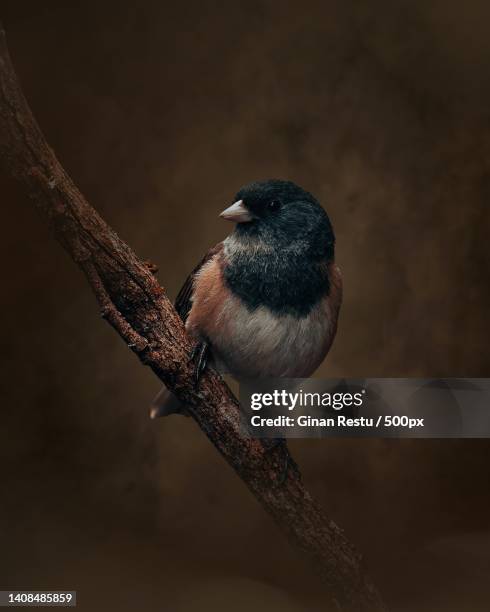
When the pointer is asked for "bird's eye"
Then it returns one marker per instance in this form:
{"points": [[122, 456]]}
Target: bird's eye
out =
{"points": [[274, 205]]}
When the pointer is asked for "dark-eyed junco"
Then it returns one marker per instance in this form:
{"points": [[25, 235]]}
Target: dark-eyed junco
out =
{"points": [[264, 302]]}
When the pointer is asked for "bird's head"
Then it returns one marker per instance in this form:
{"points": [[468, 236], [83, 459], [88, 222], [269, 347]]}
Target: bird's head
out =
{"points": [[280, 215]]}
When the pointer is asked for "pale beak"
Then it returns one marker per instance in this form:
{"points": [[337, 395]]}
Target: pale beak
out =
{"points": [[237, 212]]}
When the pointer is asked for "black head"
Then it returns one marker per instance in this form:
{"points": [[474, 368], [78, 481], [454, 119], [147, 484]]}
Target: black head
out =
{"points": [[282, 215]]}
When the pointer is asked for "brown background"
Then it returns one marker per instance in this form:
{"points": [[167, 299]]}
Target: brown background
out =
{"points": [[160, 112]]}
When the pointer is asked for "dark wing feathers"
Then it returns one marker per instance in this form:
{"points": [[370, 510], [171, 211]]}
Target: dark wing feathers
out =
{"points": [[183, 301]]}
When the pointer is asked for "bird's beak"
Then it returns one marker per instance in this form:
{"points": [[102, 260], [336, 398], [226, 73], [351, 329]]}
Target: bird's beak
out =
{"points": [[237, 212]]}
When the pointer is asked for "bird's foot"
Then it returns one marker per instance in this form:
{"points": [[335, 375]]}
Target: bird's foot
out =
{"points": [[199, 355]]}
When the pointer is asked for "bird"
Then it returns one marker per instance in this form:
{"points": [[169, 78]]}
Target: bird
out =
{"points": [[264, 302]]}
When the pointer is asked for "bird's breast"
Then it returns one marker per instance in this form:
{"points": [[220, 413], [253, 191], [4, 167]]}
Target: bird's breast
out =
{"points": [[258, 342], [286, 281]]}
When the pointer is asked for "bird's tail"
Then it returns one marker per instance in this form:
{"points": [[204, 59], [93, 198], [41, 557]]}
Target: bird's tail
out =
{"points": [[165, 403]]}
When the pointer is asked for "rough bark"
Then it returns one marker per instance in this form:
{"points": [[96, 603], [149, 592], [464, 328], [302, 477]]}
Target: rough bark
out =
{"points": [[136, 306]]}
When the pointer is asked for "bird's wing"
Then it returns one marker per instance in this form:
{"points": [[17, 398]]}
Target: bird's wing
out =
{"points": [[183, 301]]}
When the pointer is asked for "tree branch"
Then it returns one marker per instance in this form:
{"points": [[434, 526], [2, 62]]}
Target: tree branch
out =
{"points": [[133, 302]]}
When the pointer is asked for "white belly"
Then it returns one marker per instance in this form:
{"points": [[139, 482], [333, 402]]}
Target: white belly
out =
{"points": [[262, 344]]}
